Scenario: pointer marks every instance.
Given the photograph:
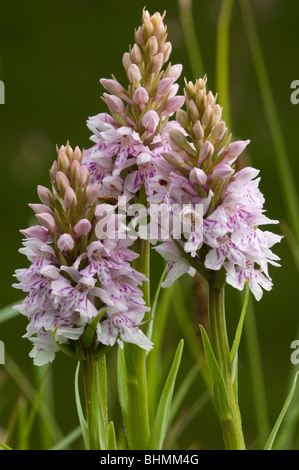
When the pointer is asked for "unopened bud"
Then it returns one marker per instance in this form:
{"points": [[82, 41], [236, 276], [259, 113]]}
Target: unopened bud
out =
{"points": [[45, 195], [47, 221], [63, 161], [173, 104], [206, 151], [36, 231], [217, 114], [198, 176], [112, 86], [200, 99], [78, 154], [175, 71], [141, 96], [166, 50], [127, 60], [150, 121], [92, 193], [134, 74], [182, 118], [115, 104], [136, 55], [193, 110], [157, 63], [210, 99], [198, 131], [70, 198], [152, 45], [218, 132], [82, 228], [164, 86], [206, 117], [62, 181], [160, 30], [148, 28], [54, 169], [139, 38], [65, 242], [84, 175]]}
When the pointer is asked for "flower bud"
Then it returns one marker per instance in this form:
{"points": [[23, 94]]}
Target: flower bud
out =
{"points": [[82, 228], [193, 110], [164, 86], [173, 104], [157, 63], [210, 99], [62, 181], [175, 71], [198, 176], [206, 117], [134, 74], [217, 114], [84, 175], [141, 96], [92, 193], [148, 28], [206, 152], [115, 104], [182, 118], [65, 242], [166, 50], [234, 150], [127, 60], [139, 38], [70, 198], [150, 121], [63, 161], [36, 231], [47, 221], [198, 131], [112, 86], [45, 195], [152, 45], [136, 55], [218, 133], [40, 208]]}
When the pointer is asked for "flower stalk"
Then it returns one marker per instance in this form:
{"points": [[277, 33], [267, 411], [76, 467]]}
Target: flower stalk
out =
{"points": [[231, 424]]}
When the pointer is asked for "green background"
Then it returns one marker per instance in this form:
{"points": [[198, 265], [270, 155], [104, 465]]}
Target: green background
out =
{"points": [[52, 55]]}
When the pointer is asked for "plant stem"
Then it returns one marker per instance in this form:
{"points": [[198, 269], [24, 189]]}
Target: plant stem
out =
{"points": [[231, 427], [91, 417]]}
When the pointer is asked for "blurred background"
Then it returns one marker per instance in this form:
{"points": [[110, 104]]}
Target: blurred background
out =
{"points": [[52, 55]]}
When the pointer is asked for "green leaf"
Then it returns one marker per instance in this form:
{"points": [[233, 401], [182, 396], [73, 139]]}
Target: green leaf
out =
{"points": [[91, 328], [4, 446], [220, 393], [99, 403], [123, 392], [277, 425], [111, 437], [68, 439], [7, 313], [236, 343], [82, 421], [161, 421]]}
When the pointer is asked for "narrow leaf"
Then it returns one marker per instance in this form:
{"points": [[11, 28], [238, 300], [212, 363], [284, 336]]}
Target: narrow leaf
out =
{"points": [[236, 343], [277, 425], [91, 328], [79, 409], [161, 422], [220, 393], [7, 313], [111, 437]]}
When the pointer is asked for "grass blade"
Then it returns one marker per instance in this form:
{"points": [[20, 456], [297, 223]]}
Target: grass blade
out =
{"points": [[161, 422], [271, 439]]}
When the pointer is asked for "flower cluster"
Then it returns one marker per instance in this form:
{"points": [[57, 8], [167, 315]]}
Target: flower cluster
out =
{"points": [[200, 171], [75, 277], [129, 139]]}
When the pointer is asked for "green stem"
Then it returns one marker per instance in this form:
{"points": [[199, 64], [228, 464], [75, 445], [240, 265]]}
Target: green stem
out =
{"points": [[92, 417], [231, 427]]}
